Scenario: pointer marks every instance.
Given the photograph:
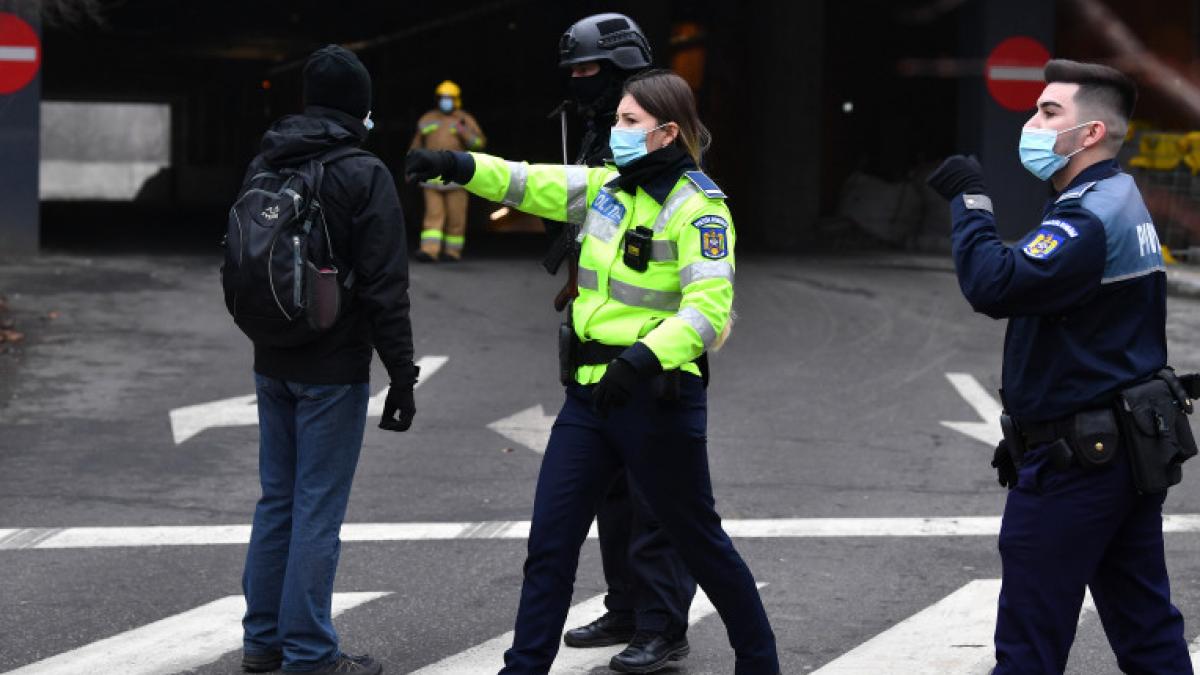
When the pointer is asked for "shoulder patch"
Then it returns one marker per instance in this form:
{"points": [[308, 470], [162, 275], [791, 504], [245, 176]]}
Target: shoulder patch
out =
{"points": [[1044, 244], [714, 236], [1077, 192], [706, 184], [608, 206], [1062, 225]]}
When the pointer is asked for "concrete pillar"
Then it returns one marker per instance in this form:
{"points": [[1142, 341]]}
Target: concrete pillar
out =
{"points": [[19, 142], [991, 131], [781, 127]]}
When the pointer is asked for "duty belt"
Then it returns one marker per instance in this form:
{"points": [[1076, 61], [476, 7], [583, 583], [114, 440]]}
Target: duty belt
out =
{"points": [[593, 353]]}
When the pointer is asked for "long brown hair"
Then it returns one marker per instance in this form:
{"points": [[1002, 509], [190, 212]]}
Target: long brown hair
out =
{"points": [[668, 98]]}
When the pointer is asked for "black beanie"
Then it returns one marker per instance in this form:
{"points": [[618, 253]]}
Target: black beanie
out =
{"points": [[335, 78]]}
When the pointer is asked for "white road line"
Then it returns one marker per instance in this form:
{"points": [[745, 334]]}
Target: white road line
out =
{"points": [[20, 54], [241, 411], [487, 657], [988, 429], [1194, 648], [181, 642], [951, 637], [778, 528]]}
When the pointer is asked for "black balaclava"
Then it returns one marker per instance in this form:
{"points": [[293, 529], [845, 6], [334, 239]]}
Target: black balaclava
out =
{"points": [[599, 93], [335, 78]]}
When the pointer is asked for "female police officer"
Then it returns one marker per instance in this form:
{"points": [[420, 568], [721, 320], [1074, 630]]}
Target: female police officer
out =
{"points": [[655, 291]]}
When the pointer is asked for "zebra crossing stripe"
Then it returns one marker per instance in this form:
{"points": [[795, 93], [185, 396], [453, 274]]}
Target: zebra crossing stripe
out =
{"points": [[487, 657], [177, 643], [765, 528], [953, 636]]}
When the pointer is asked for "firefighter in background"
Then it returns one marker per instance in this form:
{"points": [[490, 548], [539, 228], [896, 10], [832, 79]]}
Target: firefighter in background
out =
{"points": [[447, 127]]}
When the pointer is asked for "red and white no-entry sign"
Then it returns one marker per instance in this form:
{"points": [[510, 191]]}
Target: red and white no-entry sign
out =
{"points": [[20, 53], [1014, 72]]}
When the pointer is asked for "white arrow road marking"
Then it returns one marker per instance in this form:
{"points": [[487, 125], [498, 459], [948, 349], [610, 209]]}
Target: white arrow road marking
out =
{"points": [[485, 658], [951, 637], [988, 409], [241, 411], [1194, 648], [20, 54], [194, 638], [530, 428]]}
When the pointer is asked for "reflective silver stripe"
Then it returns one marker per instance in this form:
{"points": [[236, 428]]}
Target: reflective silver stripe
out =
{"points": [[980, 202], [673, 203], [697, 320], [705, 269], [589, 279], [518, 174], [648, 298], [663, 250], [576, 194]]}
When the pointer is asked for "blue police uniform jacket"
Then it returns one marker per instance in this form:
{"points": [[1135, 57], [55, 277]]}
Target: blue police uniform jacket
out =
{"points": [[1084, 293]]}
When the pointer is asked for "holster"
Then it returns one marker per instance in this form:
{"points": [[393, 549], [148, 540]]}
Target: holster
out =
{"points": [[1156, 430]]}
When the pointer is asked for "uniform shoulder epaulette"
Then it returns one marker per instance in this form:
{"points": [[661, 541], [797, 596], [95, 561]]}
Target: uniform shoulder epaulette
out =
{"points": [[705, 184], [1076, 193]]}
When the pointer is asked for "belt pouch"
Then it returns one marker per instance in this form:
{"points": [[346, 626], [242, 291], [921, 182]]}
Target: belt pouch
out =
{"points": [[1095, 437], [566, 352], [1157, 435]]}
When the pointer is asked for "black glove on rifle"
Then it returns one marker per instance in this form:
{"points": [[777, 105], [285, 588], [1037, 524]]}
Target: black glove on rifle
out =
{"points": [[400, 399], [453, 167], [634, 365], [956, 175]]}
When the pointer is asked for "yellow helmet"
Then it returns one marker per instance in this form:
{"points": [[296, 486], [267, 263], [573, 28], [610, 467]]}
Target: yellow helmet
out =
{"points": [[448, 88]]}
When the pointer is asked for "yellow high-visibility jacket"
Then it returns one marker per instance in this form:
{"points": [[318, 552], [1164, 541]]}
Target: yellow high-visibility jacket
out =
{"points": [[680, 304]]}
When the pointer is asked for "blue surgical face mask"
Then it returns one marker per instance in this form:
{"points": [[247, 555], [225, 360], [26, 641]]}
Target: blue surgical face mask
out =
{"points": [[446, 104], [629, 144], [1037, 151]]}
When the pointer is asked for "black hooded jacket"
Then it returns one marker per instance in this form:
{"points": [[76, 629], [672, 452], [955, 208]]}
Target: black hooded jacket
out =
{"points": [[366, 227]]}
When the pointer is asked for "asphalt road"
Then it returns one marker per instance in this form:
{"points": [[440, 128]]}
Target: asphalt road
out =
{"points": [[828, 402]]}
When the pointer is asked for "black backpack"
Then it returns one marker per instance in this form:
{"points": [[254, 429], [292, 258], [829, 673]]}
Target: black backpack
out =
{"points": [[281, 276]]}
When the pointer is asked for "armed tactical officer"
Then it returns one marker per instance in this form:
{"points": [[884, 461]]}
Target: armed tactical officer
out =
{"points": [[1095, 425], [655, 292], [649, 588]]}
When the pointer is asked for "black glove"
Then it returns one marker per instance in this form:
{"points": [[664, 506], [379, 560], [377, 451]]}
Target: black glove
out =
{"points": [[1002, 462], [454, 167], [616, 387], [622, 376], [956, 175], [400, 399]]}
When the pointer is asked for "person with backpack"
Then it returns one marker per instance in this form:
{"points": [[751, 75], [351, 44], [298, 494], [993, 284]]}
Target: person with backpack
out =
{"points": [[316, 274]]}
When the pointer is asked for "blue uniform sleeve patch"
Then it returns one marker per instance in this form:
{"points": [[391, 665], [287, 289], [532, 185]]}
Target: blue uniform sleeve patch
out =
{"points": [[608, 206], [706, 184], [714, 237], [1043, 245]]}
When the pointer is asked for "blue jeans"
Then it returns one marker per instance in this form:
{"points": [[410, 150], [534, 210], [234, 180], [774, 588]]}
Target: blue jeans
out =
{"points": [[309, 440], [663, 448], [1064, 530]]}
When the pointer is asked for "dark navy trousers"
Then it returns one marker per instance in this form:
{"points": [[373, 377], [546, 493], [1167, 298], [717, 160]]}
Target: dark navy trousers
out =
{"points": [[662, 446], [1071, 529], [645, 576]]}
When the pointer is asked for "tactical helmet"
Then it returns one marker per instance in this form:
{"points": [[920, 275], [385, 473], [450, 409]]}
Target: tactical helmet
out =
{"points": [[605, 37]]}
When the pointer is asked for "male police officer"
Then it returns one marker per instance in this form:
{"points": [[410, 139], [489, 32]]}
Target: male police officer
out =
{"points": [[1085, 296], [649, 588]]}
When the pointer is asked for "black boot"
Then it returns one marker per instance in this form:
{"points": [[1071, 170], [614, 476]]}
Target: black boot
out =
{"points": [[650, 652], [262, 663], [613, 628]]}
